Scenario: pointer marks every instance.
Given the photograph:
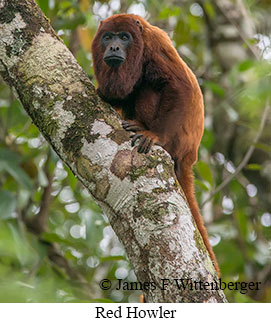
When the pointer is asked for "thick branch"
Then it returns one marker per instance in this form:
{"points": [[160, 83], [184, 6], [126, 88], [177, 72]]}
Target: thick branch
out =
{"points": [[138, 193]]}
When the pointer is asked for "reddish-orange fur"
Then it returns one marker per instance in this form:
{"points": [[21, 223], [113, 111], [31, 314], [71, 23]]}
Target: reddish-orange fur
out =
{"points": [[160, 94]]}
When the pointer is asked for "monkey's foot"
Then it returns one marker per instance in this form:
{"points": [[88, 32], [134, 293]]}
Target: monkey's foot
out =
{"points": [[146, 140], [132, 125]]}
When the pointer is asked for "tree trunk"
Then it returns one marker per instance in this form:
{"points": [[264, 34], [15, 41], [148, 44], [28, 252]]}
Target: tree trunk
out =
{"points": [[138, 193]]}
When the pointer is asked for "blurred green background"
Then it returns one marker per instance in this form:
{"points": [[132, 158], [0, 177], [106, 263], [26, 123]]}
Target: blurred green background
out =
{"points": [[64, 260]]}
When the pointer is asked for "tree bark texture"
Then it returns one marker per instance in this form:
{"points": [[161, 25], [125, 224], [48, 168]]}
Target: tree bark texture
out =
{"points": [[138, 193]]}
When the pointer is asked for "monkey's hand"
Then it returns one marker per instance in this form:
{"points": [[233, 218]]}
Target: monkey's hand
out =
{"points": [[146, 140], [132, 125]]}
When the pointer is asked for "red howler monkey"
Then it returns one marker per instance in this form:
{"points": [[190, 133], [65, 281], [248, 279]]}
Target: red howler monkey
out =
{"points": [[140, 72]]}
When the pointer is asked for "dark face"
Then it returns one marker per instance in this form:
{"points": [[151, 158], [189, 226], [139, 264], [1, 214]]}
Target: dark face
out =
{"points": [[115, 45]]}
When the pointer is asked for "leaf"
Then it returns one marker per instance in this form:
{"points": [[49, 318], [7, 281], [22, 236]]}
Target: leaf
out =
{"points": [[15, 117], [245, 65], [242, 220], [182, 32], [209, 9], [17, 173], [14, 246], [70, 23], [215, 88], [9, 155], [7, 204], [53, 237], [194, 23], [207, 139], [44, 5], [9, 161], [264, 147], [254, 167], [201, 185], [205, 172], [169, 12], [228, 247], [112, 258], [165, 13]]}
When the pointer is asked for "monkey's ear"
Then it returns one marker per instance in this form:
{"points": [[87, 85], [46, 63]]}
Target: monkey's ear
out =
{"points": [[139, 25]]}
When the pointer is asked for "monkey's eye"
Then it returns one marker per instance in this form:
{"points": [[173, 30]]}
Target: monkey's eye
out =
{"points": [[124, 37], [106, 37]]}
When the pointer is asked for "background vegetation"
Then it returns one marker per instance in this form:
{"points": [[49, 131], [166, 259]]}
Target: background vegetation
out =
{"points": [[63, 257]]}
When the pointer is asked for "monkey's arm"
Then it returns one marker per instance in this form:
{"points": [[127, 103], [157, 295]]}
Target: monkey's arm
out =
{"points": [[171, 118], [146, 105]]}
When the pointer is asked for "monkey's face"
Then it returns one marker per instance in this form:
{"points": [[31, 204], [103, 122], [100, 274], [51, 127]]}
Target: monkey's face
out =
{"points": [[115, 45], [118, 55]]}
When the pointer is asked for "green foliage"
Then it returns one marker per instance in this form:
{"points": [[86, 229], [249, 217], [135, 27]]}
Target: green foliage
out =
{"points": [[78, 247], [8, 204], [205, 172]]}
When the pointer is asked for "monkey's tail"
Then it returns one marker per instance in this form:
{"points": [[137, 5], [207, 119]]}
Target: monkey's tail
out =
{"points": [[185, 178]]}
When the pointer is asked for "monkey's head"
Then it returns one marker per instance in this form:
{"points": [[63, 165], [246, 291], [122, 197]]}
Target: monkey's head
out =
{"points": [[117, 51]]}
